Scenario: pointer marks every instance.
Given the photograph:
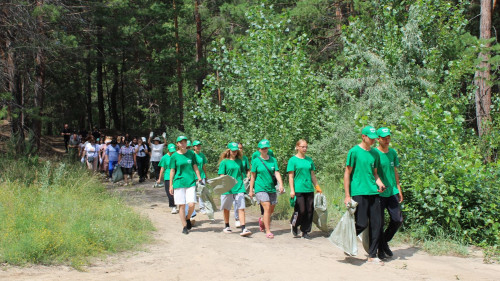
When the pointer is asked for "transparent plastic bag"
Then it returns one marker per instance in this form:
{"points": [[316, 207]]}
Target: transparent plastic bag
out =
{"points": [[344, 234], [320, 215]]}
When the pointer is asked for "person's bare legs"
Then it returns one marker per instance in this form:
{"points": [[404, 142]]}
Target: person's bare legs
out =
{"points": [[182, 214], [226, 216], [190, 211], [267, 216], [241, 214]]}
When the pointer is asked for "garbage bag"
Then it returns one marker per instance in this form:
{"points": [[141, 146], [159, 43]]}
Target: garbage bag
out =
{"points": [[117, 173], [222, 184], [249, 201], [364, 236], [344, 234], [320, 215], [204, 193]]}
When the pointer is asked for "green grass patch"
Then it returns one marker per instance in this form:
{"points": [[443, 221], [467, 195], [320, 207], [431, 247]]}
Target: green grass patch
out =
{"points": [[59, 214]]}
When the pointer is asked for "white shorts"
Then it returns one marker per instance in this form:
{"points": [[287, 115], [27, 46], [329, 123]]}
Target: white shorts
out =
{"points": [[185, 195], [226, 201]]}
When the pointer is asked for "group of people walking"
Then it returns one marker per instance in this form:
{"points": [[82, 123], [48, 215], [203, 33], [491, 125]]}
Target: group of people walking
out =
{"points": [[371, 179]]}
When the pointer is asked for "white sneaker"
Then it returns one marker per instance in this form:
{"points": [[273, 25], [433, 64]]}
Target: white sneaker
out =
{"points": [[227, 230], [174, 210], [245, 232], [237, 224]]}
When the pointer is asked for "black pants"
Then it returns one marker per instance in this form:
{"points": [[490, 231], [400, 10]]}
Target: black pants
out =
{"points": [[368, 212], [142, 166], [157, 169], [392, 206], [171, 202], [66, 143], [304, 206]]}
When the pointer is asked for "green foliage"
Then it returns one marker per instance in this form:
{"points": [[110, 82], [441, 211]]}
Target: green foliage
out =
{"points": [[267, 88], [446, 185], [56, 214]]}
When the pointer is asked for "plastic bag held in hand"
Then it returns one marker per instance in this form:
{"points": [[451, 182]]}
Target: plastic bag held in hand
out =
{"points": [[151, 134], [164, 135], [320, 214], [344, 234]]}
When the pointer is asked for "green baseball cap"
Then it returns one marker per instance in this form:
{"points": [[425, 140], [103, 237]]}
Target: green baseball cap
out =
{"points": [[181, 138], [189, 143], [196, 142], [370, 132], [232, 146], [383, 132], [171, 147], [264, 143]]}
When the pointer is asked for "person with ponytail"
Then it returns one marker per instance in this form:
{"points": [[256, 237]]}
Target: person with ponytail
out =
{"points": [[230, 164], [263, 179], [302, 182]]}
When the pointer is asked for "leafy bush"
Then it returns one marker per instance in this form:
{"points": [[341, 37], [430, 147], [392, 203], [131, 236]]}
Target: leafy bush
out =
{"points": [[447, 186], [56, 214]]}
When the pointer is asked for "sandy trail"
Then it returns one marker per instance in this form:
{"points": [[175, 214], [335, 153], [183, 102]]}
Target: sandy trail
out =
{"points": [[209, 254]]}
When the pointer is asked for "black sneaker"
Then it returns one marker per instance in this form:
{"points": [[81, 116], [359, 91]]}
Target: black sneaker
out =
{"points": [[294, 231], [185, 230], [381, 255], [188, 224], [306, 236], [388, 251]]}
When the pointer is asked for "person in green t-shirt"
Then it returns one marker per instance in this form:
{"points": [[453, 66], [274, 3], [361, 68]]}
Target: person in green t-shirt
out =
{"points": [[246, 173], [255, 155], [230, 164], [302, 182], [165, 166], [183, 175], [362, 184], [201, 160], [391, 198], [264, 170]]}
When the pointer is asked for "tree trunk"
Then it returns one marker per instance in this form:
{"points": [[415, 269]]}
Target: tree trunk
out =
{"points": [[199, 48], [483, 92], [179, 73], [39, 82], [88, 88], [338, 16], [114, 92], [100, 91]]}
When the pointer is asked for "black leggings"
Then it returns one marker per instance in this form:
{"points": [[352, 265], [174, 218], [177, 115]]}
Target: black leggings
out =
{"points": [[157, 169], [304, 206], [142, 166], [368, 213], [171, 202]]}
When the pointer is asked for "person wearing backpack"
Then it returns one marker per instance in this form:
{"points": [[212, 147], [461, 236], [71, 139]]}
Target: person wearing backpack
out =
{"points": [[141, 152], [263, 179], [363, 185], [392, 197], [302, 182]]}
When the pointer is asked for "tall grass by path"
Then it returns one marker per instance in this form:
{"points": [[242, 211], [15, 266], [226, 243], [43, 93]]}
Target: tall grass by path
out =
{"points": [[58, 214]]}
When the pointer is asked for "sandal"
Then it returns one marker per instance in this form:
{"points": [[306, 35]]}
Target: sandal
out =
{"points": [[375, 261], [270, 235]]}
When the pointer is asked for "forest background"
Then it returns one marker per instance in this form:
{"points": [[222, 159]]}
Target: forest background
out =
{"points": [[221, 71]]}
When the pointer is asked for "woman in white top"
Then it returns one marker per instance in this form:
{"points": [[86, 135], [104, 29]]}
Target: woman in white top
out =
{"points": [[156, 153], [92, 153]]}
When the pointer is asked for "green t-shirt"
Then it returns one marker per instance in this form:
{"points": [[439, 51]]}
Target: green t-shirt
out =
{"points": [[257, 154], [184, 173], [302, 173], [386, 173], [363, 162], [246, 165], [234, 169], [165, 163], [263, 179], [200, 161]]}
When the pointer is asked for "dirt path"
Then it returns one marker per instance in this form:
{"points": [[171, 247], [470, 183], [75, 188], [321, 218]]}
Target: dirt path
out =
{"points": [[208, 254]]}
